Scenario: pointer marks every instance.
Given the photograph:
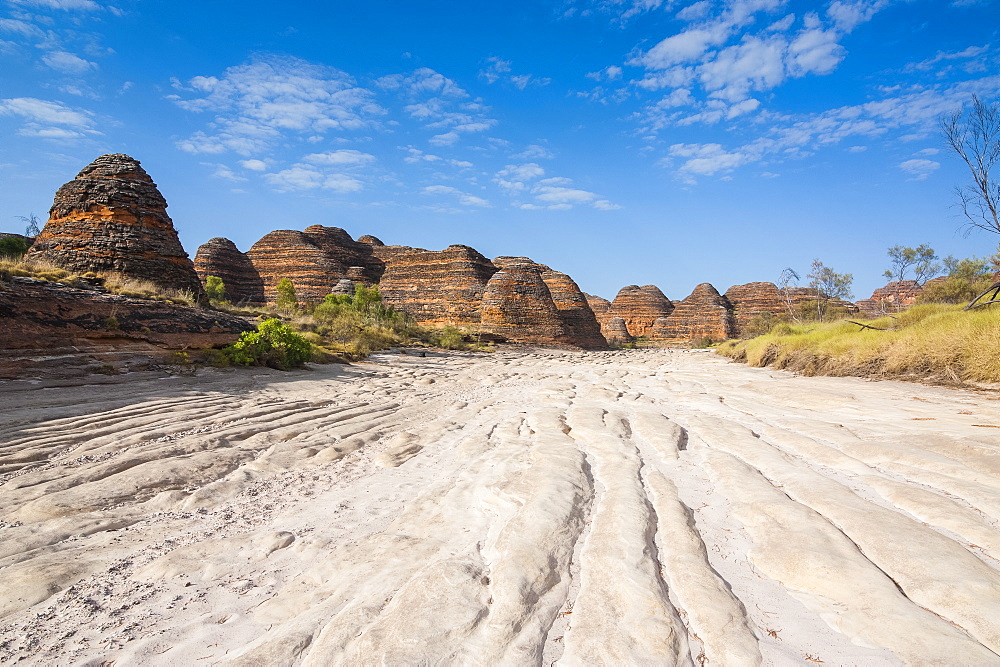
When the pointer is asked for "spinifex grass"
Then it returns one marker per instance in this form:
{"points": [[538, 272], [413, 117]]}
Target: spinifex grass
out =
{"points": [[934, 341]]}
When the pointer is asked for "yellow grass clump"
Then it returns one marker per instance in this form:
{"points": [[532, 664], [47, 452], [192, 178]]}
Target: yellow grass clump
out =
{"points": [[932, 341], [117, 283]]}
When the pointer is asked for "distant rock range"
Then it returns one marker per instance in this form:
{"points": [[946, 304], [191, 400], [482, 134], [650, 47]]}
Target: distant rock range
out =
{"points": [[112, 217]]}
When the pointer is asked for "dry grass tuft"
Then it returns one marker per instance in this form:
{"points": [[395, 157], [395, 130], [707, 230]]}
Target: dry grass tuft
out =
{"points": [[932, 341]]}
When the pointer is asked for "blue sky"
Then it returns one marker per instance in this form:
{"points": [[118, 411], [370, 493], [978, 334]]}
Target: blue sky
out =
{"points": [[620, 141]]}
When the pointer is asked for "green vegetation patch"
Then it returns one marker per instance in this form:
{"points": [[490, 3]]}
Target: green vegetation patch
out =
{"points": [[931, 341]]}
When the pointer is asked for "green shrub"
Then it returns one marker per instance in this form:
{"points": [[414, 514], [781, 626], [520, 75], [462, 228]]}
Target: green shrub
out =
{"points": [[286, 295], [273, 344], [215, 289], [13, 247]]}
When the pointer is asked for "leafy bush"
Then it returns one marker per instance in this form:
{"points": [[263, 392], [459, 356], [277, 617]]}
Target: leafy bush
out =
{"points": [[215, 290], [286, 295], [273, 344], [13, 247]]}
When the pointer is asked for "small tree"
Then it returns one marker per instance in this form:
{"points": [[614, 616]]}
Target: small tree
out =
{"points": [[286, 295], [31, 227], [829, 284], [215, 289], [922, 259], [12, 247], [788, 278], [975, 136]]}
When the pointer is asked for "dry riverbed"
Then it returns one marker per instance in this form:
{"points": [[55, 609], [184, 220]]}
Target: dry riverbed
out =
{"points": [[647, 506]]}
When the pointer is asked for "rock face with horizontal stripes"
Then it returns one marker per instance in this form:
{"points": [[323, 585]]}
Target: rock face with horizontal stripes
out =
{"points": [[574, 311], [893, 298], [112, 218], [437, 288], [640, 307], [760, 299], [518, 305], [221, 258], [703, 314]]}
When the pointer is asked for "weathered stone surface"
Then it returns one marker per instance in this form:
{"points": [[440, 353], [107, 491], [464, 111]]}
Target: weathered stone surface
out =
{"points": [[640, 307], [752, 299], [345, 287], [893, 298], [112, 218], [799, 295], [581, 325], [291, 254], [436, 287], [345, 252], [40, 320], [505, 261], [220, 257], [599, 305], [703, 314], [370, 240], [617, 333], [518, 305]]}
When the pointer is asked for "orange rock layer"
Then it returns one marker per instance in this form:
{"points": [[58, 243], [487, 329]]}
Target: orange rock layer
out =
{"points": [[640, 307], [112, 218]]}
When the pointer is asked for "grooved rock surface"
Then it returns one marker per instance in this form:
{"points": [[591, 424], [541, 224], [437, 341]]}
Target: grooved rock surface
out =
{"points": [[640, 307], [753, 299], [112, 218], [703, 314], [642, 507], [220, 257], [616, 333], [574, 311], [893, 298], [436, 287], [518, 305]]}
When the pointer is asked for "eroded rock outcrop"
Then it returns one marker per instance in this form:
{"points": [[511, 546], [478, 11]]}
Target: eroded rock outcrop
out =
{"points": [[893, 298], [640, 307], [220, 257], [703, 314], [51, 327], [599, 305], [581, 325], [752, 299], [617, 333], [518, 305], [436, 287], [112, 218]]}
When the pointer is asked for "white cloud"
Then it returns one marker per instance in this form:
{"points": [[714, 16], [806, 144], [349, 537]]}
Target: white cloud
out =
{"points": [[814, 52], [256, 103], [254, 165], [695, 11], [66, 5], [304, 177], [535, 152], [514, 177], [857, 149], [928, 151], [68, 63], [500, 70], [446, 139], [463, 197], [42, 117], [848, 14], [224, 172], [340, 157], [920, 169], [415, 155], [423, 81], [684, 47], [706, 160], [605, 205]]}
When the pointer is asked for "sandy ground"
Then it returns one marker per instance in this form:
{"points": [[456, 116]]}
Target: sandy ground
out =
{"points": [[518, 508]]}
